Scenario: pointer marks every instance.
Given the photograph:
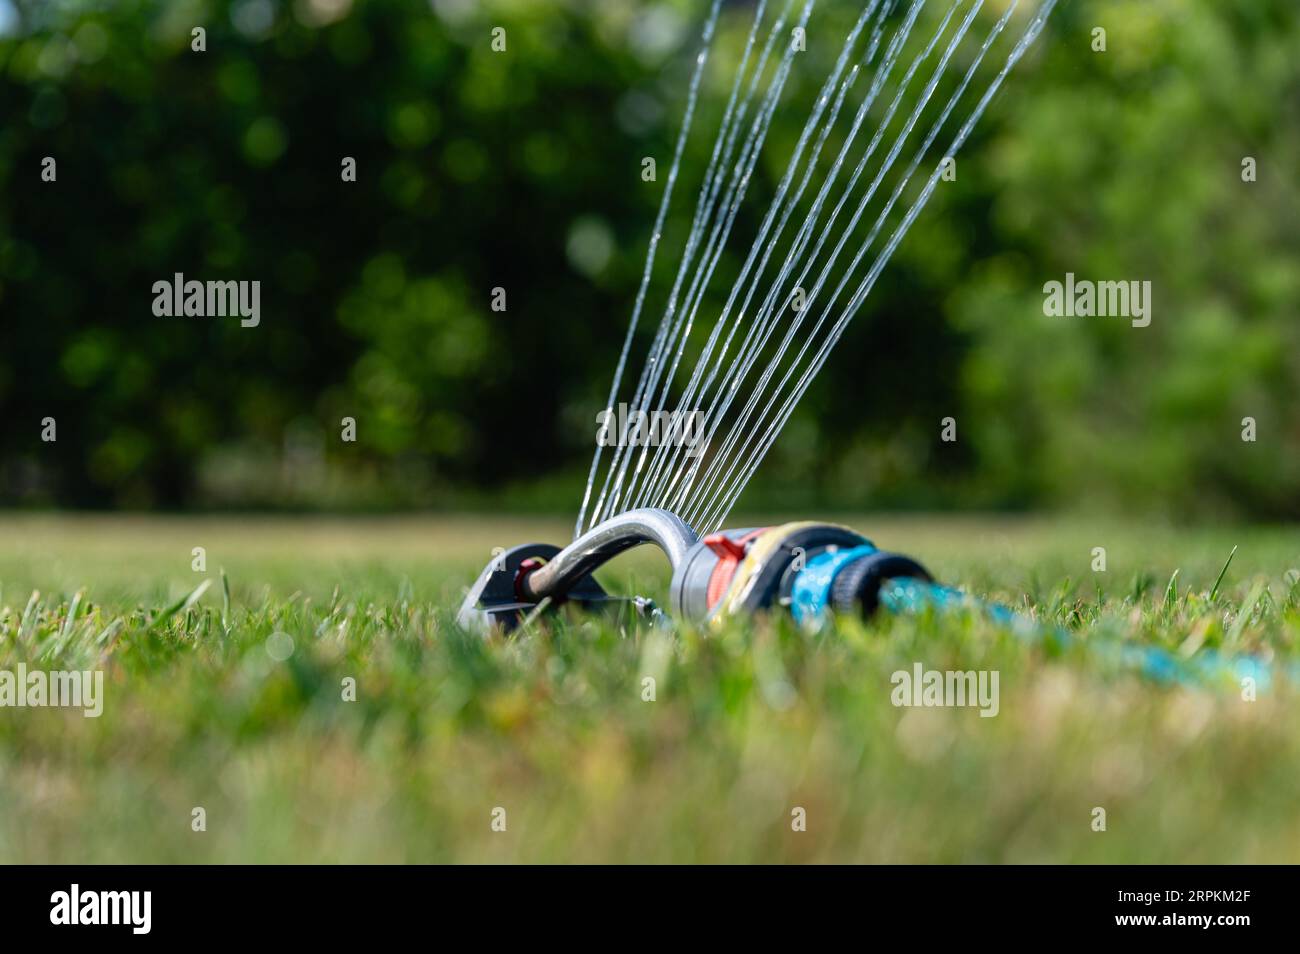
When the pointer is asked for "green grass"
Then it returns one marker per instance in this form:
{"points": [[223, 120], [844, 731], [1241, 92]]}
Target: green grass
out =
{"points": [[747, 724]]}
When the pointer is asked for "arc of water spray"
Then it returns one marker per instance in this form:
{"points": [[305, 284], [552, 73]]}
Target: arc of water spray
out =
{"points": [[864, 288], [764, 324], [739, 430], [731, 122], [652, 487], [701, 58], [704, 494], [679, 321]]}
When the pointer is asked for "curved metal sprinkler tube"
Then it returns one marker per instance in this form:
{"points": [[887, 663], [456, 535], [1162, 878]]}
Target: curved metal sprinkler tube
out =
{"points": [[605, 541]]}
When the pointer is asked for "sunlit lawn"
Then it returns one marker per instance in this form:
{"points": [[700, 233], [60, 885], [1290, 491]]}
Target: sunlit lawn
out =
{"points": [[204, 709]]}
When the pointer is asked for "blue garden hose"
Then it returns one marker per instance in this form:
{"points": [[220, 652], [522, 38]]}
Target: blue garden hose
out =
{"points": [[813, 597]]}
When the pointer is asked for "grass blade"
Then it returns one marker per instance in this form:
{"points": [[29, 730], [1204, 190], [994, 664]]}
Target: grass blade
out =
{"points": [[225, 601], [1215, 590], [109, 636], [1171, 590], [29, 617], [72, 615], [1244, 614], [181, 605]]}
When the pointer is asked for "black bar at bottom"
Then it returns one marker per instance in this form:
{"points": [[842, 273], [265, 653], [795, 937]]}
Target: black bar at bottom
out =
{"points": [[336, 905]]}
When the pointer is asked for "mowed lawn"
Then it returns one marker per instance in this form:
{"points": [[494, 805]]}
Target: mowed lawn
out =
{"points": [[239, 705]]}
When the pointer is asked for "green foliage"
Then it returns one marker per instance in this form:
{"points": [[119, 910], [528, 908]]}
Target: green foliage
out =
{"points": [[1145, 181], [521, 170]]}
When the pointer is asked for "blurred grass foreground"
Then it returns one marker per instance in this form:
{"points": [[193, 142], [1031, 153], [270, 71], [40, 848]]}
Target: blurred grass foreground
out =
{"points": [[318, 704]]}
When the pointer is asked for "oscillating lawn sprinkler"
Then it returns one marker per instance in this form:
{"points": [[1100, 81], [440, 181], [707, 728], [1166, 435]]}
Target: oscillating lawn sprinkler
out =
{"points": [[806, 569]]}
